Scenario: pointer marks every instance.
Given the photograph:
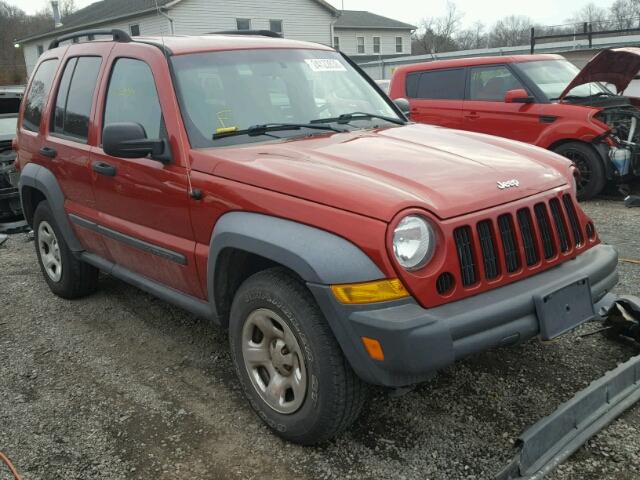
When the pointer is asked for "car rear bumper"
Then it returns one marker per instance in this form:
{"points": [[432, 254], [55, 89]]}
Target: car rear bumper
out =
{"points": [[418, 341]]}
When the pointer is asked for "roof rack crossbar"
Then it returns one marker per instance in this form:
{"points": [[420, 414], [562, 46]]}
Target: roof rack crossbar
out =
{"points": [[262, 33], [117, 34]]}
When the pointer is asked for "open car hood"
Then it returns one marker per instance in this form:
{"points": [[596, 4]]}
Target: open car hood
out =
{"points": [[617, 66]]}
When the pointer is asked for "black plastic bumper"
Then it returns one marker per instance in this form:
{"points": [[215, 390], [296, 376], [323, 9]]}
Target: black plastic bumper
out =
{"points": [[417, 341]]}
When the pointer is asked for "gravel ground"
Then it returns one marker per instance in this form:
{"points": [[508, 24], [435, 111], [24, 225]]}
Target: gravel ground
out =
{"points": [[123, 386]]}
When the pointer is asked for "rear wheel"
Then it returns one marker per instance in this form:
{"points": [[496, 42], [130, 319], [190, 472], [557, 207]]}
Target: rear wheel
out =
{"points": [[67, 276], [290, 366], [589, 164]]}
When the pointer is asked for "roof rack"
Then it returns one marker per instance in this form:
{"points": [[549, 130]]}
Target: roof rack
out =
{"points": [[261, 33], [118, 36]]}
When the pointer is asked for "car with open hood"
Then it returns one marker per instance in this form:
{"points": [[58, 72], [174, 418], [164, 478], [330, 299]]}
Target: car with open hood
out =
{"points": [[11, 218], [270, 186], [543, 100]]}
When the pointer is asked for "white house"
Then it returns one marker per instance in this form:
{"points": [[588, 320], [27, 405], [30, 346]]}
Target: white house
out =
{"points": [[310, 20], [366, 36], [363, 35]]}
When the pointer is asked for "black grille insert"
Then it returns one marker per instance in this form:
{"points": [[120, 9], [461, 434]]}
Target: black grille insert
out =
{"points": [[462, 237], [445, 283], [545, 230], [563, 235], [528, 238], [489, 255], [509, 245], [573, 220]]}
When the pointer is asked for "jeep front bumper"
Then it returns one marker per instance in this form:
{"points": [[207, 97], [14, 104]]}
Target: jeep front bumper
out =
{"points": [[418, 341]]}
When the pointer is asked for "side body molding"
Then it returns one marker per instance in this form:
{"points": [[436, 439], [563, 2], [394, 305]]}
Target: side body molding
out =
{"points": [[316, 255], [38, 177]]}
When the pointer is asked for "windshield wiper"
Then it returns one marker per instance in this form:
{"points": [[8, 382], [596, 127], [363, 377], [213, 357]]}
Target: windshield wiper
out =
{"points": [[257, 130], [348, 117], [580, 97]]}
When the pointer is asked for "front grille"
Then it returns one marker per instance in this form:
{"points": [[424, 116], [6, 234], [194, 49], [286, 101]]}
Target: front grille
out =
{"points": [[573, 220], [511, 256], [489, 253], [528, 238], [515, 242], [465, 255]]}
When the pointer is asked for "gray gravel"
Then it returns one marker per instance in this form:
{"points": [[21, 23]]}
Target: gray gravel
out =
{"points": [[123, 386]]}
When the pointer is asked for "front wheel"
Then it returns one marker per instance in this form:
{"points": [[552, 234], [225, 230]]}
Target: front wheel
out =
{"points": [[290, 366], [589, 164]]}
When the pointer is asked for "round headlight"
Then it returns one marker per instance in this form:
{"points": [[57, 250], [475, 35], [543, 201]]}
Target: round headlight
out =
{"points": [[413, 242]]}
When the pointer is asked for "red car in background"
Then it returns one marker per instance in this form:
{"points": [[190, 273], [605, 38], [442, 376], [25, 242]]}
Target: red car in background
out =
{"points": [[539, 99]]}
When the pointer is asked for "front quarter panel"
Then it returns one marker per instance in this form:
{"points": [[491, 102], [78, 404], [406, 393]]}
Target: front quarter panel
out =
{"points": [[573, 122]]}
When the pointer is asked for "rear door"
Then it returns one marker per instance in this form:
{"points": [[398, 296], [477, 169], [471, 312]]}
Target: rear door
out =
{"points": [[68, 141], [436, 96], [485, 110], [143, 203]]}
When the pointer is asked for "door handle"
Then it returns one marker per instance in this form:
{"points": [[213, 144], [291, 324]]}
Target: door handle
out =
{"points": [[48, 152], [103, 168], [472, 116]]}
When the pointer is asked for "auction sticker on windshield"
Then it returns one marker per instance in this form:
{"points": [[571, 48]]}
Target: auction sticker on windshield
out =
{"points": [[325, 65]]}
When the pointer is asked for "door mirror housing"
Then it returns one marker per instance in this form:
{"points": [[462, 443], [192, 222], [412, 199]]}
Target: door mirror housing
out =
{"points": [[129, 140], [518, 95], [403, 105]]}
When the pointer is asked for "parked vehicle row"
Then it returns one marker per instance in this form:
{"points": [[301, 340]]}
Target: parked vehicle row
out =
{"points": [[268, 185], [543, 100]]}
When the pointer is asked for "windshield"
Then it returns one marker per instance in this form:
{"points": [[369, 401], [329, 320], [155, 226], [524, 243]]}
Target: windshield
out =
{"points": [[8, 125], [553, 76], [230, 91]]}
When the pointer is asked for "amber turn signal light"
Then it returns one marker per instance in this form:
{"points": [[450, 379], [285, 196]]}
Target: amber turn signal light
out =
{"points": [[370, 292], [373, 347]]}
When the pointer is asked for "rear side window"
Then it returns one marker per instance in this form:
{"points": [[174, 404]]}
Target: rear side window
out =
{"points": [[437, 85], [75, 97], [491, 83], [38, 93], [132, 97]]}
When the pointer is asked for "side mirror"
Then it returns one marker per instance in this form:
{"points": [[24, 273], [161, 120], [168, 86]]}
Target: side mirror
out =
{"points": [[129, 140], [403, 105], [518, 95]]}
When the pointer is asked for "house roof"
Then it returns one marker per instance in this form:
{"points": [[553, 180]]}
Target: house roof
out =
{"points": [[109, 10], [362, 19]]}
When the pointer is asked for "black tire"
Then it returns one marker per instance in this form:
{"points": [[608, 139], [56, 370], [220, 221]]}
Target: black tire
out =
{"points": [[78, 278], [334, 395], [589, 164]]}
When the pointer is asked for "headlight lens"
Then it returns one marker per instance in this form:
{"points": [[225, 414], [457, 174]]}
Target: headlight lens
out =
{"points": [[413, 242]]}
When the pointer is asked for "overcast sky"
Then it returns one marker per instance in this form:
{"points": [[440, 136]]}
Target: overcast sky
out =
{"points": [[546, 12]]}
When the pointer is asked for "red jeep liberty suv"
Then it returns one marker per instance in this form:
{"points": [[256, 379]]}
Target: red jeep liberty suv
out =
{"points": [[270, 186], [539, 99]]}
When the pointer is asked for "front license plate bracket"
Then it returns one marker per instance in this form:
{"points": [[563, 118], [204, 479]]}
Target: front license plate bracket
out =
{"points": [[563, 309]]}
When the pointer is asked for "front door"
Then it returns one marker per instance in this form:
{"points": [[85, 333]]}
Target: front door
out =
{"points": [[143, 203], [485, 110]]}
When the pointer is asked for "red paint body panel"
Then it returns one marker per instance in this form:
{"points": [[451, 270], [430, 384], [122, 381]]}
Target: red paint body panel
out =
{"points": [[354, 185]]}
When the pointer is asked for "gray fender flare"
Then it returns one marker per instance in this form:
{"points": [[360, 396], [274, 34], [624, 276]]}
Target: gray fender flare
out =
{"points": [[38, 177], [317, 256]]}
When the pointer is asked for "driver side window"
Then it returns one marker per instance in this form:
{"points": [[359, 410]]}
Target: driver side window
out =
{"points": [[492, 83], [132, 97]]}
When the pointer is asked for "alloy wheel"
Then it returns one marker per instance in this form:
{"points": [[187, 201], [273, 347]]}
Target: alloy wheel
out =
{"points": [[49, 249]]}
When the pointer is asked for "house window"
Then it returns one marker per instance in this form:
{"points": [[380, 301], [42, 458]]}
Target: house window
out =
{"points": [[275, 26], [243, 24], [336, 43], [376, 44], [135, 30], [360, 44], [40, 50], [399, 45]]}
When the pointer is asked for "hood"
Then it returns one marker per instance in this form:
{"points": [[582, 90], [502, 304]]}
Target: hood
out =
{"points": [[617, 66], [377, 173]]}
